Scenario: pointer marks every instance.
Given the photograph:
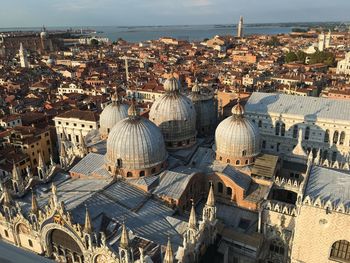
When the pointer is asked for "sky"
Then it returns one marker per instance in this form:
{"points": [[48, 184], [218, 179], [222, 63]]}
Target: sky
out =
{"points": [[34, 13]]}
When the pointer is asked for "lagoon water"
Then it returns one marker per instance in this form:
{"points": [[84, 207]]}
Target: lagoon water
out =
{"points": [[190, 32]]}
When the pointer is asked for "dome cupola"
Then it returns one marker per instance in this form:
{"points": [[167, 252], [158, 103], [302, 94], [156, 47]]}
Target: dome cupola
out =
{"points": [[111, 115], [175, 115], [237, 139], [135, 147]]}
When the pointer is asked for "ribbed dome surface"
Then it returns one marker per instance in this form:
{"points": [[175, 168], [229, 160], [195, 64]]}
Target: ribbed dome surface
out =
{"points": [[237, 137], [111, 115], [137, 142], [175, 114]]}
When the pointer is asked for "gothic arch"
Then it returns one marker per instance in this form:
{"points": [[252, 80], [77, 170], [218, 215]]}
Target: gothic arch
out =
{"points": [[47, 231]]}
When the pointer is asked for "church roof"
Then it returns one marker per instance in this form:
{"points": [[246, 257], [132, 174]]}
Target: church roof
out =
{"points": [[173, 183], [89, 164], [308, 108], [329, 184]]}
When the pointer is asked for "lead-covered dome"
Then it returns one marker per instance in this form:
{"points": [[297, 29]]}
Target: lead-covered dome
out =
{"points": [[175, 115], [111, 115], [135, 147], [237, 139]]}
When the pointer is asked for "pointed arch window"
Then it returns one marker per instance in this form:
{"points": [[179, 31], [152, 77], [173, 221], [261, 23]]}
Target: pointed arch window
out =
{"points": [[335, 137], [295, 131], [307, 133], [326, 136], [277, 128], [342, 138], [283, 129]]}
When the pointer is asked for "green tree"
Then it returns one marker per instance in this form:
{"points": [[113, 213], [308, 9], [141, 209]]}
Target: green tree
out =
{"points": [[322, 57], [273, 42], [94, 42], [291, 57], [301, 56]]}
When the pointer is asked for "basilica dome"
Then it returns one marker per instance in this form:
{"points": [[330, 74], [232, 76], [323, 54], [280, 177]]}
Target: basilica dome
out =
{"points": [[237, 139], [135, 147], [113, 113], [175, 115]]}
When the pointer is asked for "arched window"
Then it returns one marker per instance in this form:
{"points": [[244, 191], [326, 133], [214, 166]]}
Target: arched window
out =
{"points": [[228, 160], [326, 136], [238, 162], [325, 155], [220, 158], [229, 191], [335, 137], [30, 243], [260, 124], [307, 133], [244, 152], [295, 131], [283, 129], [119, 162], [277, 128], [142, 173], [153, 170], [342, 138], [334, 156], [129, 174], [340, 251], [220, 188]]}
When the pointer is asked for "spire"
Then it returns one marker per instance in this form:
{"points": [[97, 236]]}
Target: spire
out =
{"points": [[133, 110], [15, 174], [63, 149], [54, 189], [29, 172], [35, 206], [124, 239], [211, 198], [318, 157], [88, 226], [82, 143], [169, 255], [192, 222], [41, 163], [7, 199], [298, 149], [52, 161], [64, 136]]}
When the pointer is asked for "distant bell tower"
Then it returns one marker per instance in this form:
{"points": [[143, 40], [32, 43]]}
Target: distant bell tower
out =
{"points": [[328, 40], [23, 57], [321, 41], [240, 27]]}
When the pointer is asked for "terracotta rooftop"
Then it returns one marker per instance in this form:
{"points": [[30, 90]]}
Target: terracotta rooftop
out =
{"points": [[81, 115]]}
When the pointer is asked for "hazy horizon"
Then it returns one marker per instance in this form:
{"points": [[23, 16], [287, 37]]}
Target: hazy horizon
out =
{"points": [[84, 13], [177, 25]]}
